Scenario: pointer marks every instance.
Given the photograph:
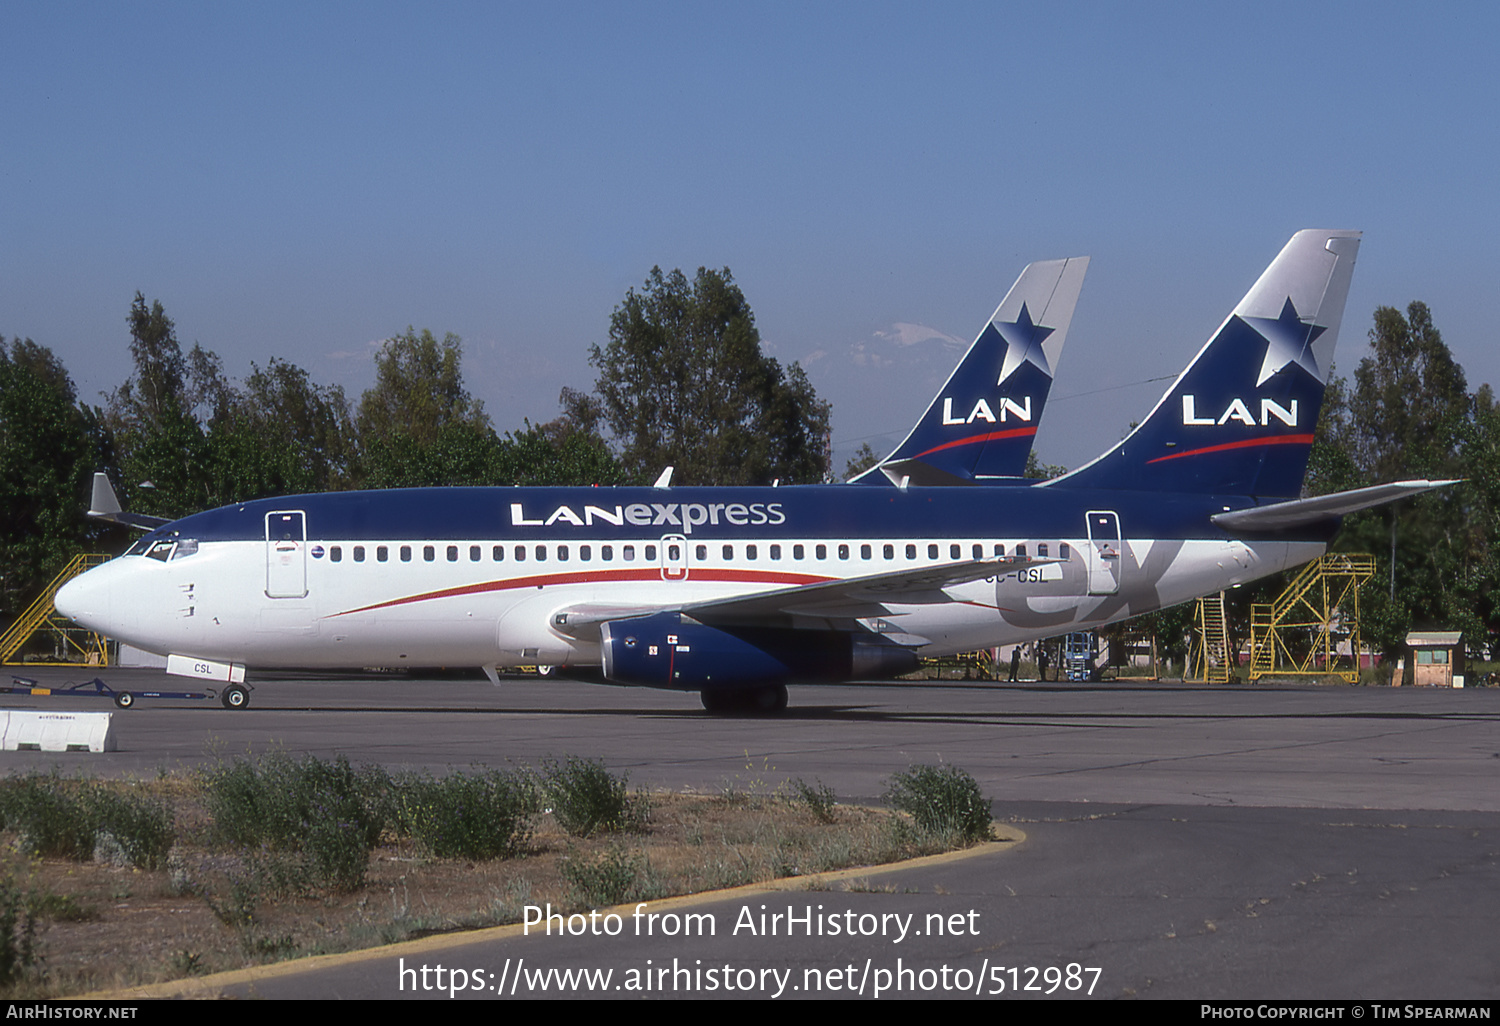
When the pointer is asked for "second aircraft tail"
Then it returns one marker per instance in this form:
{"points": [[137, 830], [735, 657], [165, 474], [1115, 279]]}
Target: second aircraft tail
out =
{"points": [[984, 418]]}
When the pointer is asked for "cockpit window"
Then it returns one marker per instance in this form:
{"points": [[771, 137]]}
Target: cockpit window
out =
{"points": [[161, 550], [186, 547]]}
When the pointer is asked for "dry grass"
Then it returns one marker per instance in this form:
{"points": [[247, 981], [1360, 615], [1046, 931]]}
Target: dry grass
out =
{"points": [[101, 927]]}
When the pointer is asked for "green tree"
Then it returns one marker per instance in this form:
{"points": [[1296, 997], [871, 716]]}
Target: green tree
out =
{"points": [[280, 433], [48, 447], [863, 459], [683, 383], [541, 455], [156, 394], [1035, 468], [419, 390], [418, 425], [1409, 414]]}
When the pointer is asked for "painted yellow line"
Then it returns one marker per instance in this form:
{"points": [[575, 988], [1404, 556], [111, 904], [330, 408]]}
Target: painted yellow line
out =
{"points": [[213, 986]]}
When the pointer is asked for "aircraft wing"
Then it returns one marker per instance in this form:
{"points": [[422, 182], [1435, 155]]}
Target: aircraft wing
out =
{"points": [[1281, 515], [847, 598]]}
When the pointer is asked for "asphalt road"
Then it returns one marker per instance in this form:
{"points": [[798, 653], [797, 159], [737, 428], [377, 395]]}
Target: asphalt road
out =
{"points": [[1186, 842]]}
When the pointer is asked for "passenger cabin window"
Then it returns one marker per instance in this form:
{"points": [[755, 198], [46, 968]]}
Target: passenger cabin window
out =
{"points": [[406, 553], [955, 551], [382, 553], [700, 553], [497, 553], [475, 553], [453, 553], [562, 552], [607, 553], [999, 549], [520, 553], [843, 552], [359, 553], [541, 553], [728, 552], [1064, 550], [429, 553], [864, 552], [629, 553], [751, 551], [775, 551], [1021, 549], [932, 551], [888, 551], [651, 552], [585, 552], [1041, 549], [335, 554], [911, 551], [821, 552], [978, 551]]}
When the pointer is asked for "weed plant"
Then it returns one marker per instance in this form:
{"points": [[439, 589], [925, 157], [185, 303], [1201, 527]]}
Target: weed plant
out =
{"points": [[819, 799], [942, 800], [467, 817], [328, 811], [72, 819], [610, 877], [49, 817], [587, 798], [18, 954]]}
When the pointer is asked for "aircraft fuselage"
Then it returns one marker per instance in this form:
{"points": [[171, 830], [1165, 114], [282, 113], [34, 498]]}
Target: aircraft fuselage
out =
{"points": [[426, 577]]}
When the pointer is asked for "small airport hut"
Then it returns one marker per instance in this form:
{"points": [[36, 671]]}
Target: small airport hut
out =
{"points": [[1430, 657]]}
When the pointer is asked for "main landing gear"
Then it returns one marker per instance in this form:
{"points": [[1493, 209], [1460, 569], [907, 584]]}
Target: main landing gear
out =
{"points": [[235, 697], [765, 701]]}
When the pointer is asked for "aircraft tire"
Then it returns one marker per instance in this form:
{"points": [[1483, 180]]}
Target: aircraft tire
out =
{"points": [[235, 697], [769, 701], [124, 699]]}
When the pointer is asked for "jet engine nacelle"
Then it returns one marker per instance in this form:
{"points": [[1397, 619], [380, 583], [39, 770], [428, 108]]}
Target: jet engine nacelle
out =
{"points": [[668, 650]]}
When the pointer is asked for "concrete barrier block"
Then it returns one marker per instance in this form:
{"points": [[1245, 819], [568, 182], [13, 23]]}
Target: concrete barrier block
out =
{"points": [[33, 730]]}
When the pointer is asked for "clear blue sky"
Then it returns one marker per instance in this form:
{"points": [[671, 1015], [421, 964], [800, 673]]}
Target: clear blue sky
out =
{"points": [[304, 180]]}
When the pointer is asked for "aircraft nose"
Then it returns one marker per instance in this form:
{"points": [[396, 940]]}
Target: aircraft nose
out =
{"points": [[83, 601]]}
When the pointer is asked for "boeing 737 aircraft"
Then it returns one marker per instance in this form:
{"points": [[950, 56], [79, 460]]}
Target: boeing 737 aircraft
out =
{"points": [[983, 420], [737, 592]]}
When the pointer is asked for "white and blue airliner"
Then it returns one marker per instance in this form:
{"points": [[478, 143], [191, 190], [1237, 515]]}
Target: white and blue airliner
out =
{"points": [[737, 592]]}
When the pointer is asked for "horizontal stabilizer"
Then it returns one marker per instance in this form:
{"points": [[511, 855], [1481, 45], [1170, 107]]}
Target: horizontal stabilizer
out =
{"points": [[924, 475], [1297, 512], [106, 506]]}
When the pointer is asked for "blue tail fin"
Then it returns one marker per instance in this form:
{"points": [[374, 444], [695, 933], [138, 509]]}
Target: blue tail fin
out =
{"points": [[1240, 419], [984, 418]]}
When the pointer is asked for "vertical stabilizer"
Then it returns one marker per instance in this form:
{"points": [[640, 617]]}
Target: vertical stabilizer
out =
{"points": [[1240, 419], [984, 418]]}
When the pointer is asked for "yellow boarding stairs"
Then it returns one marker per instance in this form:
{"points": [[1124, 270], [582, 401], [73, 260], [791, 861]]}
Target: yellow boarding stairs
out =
{"points": [[42, 615], [1210, 656], [1300, 633]]}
